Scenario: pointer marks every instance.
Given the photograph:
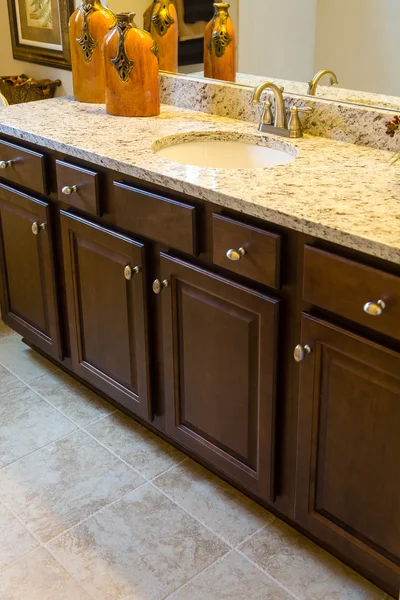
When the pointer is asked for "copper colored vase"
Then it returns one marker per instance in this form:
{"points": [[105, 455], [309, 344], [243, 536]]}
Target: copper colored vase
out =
{"points": [[164, 29], [87, 27], [131, 70], [220, 45]]}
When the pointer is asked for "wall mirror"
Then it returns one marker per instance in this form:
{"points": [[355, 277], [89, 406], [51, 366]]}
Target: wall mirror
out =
{"points": [[290, 42]]}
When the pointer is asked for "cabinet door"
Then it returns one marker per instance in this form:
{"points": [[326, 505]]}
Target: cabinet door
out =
{"points": [[107, 311], [349, 447], [28, 299], [220, 368]]}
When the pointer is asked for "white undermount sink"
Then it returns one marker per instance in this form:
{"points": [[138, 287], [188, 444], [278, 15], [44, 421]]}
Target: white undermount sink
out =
{"points": [[225, 150]]}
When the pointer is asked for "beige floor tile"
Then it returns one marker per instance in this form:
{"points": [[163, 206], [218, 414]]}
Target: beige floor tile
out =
{"points": [[76, 401], [143, 547], [65, 482], [139, 447], [24, 362], [27, 423], [39, 577], [305, 568], [8, 383], [222, 508], [15, 540], [232, 578], [6, 331]]}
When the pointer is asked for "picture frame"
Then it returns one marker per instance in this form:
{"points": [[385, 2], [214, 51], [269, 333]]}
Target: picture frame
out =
{"points": [[39, 31]]}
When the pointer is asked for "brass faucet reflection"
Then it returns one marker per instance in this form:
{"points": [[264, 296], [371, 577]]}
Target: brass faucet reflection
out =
{"points": [[313, 84]]}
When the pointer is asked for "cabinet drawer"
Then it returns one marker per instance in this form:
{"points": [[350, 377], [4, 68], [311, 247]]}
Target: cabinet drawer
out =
{"points": [[156, 217], [23, 167], [352, 290], [78, 187], [253, 252]]}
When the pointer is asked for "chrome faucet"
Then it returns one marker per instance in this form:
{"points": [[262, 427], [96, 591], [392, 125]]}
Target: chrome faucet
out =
{"points": [[312, 85], [293, 129]]}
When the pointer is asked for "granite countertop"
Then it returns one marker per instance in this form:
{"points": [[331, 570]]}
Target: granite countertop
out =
{"points": [[338, 192], [323, 91]]}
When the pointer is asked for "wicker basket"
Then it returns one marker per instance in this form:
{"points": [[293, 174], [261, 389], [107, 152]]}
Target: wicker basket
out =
{"points": [[21, 88]]}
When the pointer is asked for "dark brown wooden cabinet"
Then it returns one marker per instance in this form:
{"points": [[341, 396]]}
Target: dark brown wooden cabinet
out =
{"points": [[28, 299], [349, 447], [209, 361], [107, 309], [220, 343]]}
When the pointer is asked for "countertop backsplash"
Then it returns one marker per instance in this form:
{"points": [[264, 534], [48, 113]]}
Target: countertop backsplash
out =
{"points": [[340, 121]]}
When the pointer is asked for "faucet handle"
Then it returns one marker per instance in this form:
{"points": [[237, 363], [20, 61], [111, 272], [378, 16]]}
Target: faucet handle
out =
{"points": [[294, 125]]}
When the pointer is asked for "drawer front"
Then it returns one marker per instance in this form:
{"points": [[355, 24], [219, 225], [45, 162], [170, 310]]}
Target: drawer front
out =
{"points": [[161, 219], [23, 167], [78, 187], [246, 250], [352, 290]]}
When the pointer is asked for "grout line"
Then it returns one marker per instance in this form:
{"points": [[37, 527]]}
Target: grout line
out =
{"points": [[45, 544], [38, 450], [19, 519], [259, 568], [16, 560], [195, 577], [150, 482], [79, 583]]}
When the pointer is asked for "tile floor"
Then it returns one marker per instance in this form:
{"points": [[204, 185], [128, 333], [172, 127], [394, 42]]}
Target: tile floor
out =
{"points": [[92, 505]]}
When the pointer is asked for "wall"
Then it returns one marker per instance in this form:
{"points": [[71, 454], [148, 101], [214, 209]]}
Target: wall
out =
{"points": [[359, 40], [277, 38]]}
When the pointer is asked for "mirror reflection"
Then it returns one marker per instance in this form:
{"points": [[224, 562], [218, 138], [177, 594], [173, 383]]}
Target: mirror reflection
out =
{"points": [[292, 43]]}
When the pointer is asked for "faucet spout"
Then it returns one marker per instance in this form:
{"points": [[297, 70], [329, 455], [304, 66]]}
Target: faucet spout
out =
{"points": [[280, 112], [312, 85]]}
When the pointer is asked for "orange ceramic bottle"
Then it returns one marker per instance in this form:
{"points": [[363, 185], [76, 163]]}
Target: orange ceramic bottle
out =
{"points": [[131, 70], [164, 29], [207, 48], [87, 27], [223, 44]]}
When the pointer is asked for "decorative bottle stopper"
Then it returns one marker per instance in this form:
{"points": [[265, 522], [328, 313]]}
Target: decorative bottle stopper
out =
{"points": [[164, 29], [220, 45], [131, 70], [87, 27]]}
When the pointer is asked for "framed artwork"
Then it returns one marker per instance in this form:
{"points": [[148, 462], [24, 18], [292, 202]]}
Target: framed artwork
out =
{"points": [[39, 31]]}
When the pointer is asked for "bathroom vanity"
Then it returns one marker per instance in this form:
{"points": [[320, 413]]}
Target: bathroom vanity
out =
{"points": [[251, 318]]}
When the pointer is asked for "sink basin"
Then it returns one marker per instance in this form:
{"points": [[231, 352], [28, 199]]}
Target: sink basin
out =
{"points": [[222, 150]]}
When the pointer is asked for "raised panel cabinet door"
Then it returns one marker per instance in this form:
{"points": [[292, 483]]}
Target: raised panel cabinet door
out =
{"points": [[29, 297], [104, 275], [220, 370], [348, 491]]}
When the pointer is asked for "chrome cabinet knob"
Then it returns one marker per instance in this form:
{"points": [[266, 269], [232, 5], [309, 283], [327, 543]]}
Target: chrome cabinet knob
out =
{"points": [[235, 254], [129, 272], [375, 309], [300, 352], [37, 227], [5, 163], [69, 189], [159, 285]]}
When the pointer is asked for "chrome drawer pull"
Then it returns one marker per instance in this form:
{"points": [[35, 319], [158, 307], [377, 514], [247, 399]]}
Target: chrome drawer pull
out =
{"points": [[69, 189], [5, 163], [235, 254], [37, 227], [301, 352], [159, 285], [375, 309], [129, 272]]}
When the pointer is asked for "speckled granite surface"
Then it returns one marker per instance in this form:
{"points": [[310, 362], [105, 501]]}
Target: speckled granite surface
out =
{"points": [[324, 91], [339, 192], [339, 121]]}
